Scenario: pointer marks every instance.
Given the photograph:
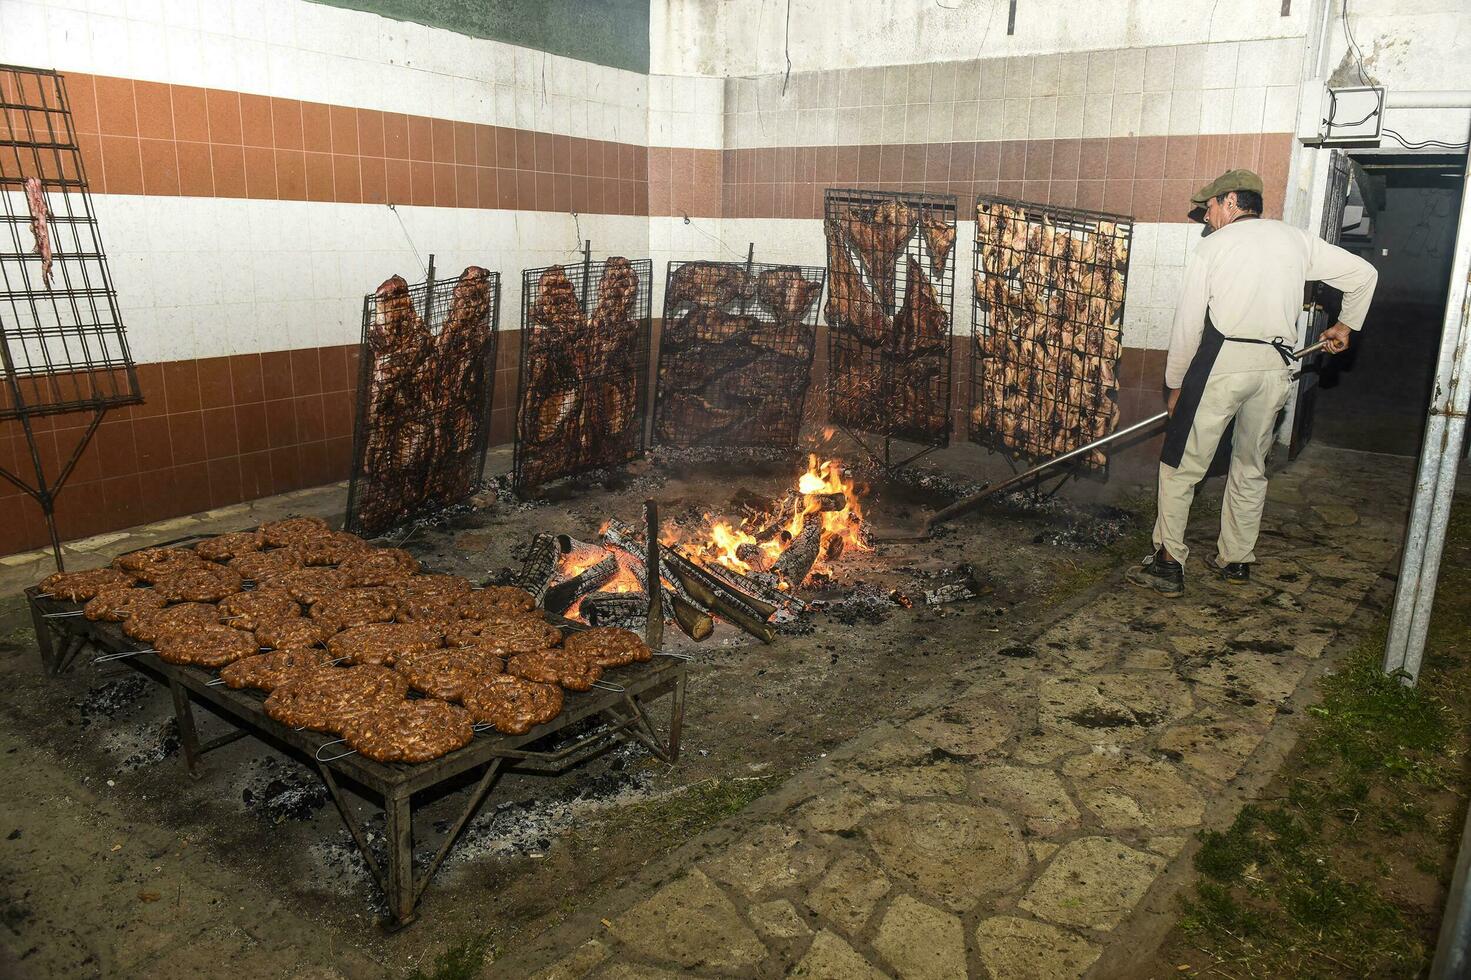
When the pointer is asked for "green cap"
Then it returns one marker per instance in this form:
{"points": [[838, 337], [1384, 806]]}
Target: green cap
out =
{"points": [[1231, 180]]}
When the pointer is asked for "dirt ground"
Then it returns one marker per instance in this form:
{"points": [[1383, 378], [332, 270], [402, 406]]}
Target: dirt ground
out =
{"points": [[116, 863]]}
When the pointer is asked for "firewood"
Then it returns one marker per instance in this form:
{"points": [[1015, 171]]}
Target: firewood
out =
{"points": [[626, 609], [719, 602], [559, 597], [540, 565], [834, 501], [695, 622], [794, 564]]}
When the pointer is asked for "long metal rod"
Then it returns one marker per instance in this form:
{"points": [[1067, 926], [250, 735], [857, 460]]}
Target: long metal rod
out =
{"points": [[654, 626], [975, 500], [1435, 483]]}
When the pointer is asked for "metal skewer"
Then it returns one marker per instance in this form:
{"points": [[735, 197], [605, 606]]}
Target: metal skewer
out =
{"points": [[108, 658]]}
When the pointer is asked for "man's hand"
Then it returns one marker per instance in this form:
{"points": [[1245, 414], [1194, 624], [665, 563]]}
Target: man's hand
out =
{"points": [[1170, 402], [1337, 337]]}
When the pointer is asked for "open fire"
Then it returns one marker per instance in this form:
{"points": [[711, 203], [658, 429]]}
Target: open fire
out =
{"points": [[822, 514], [745, 569]]}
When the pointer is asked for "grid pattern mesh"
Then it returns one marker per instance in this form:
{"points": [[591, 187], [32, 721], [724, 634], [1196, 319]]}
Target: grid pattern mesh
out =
{"points": [[735, 355], [583, 391], [424, 396], [1049, 309], [62, 347], [891, 282]]}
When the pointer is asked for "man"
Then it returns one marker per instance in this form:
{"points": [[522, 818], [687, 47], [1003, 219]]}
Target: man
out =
{"points": [[1234, 327]]}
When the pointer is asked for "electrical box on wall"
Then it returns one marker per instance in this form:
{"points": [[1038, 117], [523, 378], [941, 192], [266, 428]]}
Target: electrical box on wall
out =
{"points": [[1351, 115]]}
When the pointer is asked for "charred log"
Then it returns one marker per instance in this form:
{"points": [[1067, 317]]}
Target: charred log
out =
{"points": [[626, 609], [797, 561], [540, 565], [559, 597]]}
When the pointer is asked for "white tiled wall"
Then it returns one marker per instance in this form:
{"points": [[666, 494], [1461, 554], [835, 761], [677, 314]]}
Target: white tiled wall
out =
{"points": [[204, 277], [300, 50], [754, 37], [686, 111], [1223, 87]]}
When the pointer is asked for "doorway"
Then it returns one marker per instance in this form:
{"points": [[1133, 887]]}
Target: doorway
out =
{"points": [[1402, 219]]}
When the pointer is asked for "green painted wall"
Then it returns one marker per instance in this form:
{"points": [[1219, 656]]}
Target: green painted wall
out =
{"points": [[607, 32]]}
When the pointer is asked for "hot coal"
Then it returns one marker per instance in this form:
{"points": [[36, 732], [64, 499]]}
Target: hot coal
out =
{"points": [[163, 744], [281, 793], [114, 698]]}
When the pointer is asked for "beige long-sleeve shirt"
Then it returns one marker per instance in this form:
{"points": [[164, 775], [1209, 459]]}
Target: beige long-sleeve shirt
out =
{"points": [[1249, 275]]}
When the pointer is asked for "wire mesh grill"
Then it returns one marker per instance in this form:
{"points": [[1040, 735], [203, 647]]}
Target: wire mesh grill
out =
{"points": [[891, 283], [62, 345], [583, 392], [735, 355], [1049, 309], [424, 396]]}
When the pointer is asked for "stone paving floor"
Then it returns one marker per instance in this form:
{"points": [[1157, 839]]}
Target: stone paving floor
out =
{"points": [[1014, 829]]}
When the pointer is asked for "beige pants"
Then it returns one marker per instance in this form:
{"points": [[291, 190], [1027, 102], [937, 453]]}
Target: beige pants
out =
{"points": [[1253, 399]]}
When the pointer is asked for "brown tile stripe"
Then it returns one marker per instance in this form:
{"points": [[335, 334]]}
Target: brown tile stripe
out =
{"points": [[1149, 177], [151, 138], [217, 431], [210, 432]]}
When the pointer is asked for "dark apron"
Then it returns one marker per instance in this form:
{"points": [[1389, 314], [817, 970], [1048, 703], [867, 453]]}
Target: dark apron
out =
{"points": [[1177, 429]]}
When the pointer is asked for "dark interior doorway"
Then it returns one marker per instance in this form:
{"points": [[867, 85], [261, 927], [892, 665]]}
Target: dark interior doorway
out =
{"points": [[1374, 397]]}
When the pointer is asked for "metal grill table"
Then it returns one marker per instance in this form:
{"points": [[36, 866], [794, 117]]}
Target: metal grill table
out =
{"points": [[625, 715]]}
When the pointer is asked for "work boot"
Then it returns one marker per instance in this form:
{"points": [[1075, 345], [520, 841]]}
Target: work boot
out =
{"points": [[1163, 575], [1235, 572]]}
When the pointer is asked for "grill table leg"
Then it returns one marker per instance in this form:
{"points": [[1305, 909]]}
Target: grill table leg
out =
{"points": [[477, 796], [188, 734], [398, 814], [44, 641], [353, 827]]}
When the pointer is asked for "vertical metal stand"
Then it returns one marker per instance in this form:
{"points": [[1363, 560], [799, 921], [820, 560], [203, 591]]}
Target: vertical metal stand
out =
{"points": [[43, 493], [654, 629], [1440, 454], [586, 274]]}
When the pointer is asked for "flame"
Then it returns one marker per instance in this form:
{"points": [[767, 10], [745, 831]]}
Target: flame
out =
{"points": [[579, 561], [736, 545], [737, 548]]}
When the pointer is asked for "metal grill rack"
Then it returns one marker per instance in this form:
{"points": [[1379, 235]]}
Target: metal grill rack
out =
{"points": [[62, 344], [1049, 309], [424, 396], [583, 391], [735, 355], [891, 284]]}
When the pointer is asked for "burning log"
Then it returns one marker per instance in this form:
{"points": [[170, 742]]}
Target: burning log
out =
{"points": [[829, 501], [720, 597], [720, 602], [626, 609], [540, 565], [753, 555], [794, 564], [695, 622], [559, 597]]}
